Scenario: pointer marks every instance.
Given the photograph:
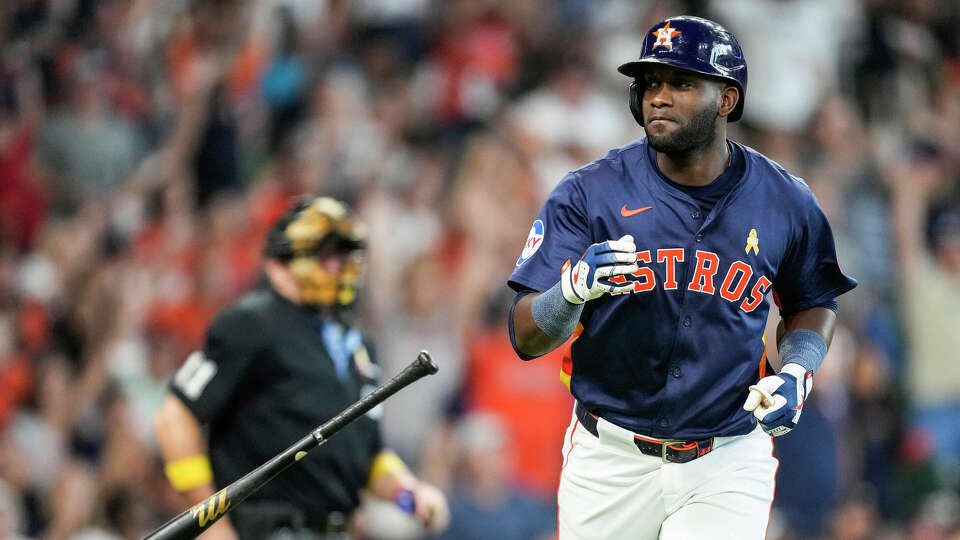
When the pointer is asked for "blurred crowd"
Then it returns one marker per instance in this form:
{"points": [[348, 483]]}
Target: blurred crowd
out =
{"points": [[146, 145]]}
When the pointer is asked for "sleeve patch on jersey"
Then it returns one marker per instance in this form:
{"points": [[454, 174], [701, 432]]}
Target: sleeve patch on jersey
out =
{"points": [[534, 240], [194, 375]]}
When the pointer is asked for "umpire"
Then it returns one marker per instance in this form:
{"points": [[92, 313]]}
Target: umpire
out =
{"points": [[276, 364]]}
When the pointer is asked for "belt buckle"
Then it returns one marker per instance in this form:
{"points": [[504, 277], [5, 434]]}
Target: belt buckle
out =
{"points": [[680, 458], [664, 446]]}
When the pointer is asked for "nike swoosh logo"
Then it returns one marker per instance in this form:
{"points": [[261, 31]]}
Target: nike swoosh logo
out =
{"points": [[627, 213]]}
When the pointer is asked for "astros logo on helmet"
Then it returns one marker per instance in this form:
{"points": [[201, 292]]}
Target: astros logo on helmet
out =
{"points": [[665, 36]]}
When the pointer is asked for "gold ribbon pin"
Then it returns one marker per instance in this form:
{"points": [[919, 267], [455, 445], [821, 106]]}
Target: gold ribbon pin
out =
{"points": [[752, 242]]}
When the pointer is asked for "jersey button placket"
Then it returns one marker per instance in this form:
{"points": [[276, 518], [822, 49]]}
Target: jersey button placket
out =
{"points": [[676, 372], [695, 214], [687, 321]]}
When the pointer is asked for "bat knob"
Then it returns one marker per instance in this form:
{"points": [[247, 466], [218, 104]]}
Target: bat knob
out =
{"points": [[426, 363]]}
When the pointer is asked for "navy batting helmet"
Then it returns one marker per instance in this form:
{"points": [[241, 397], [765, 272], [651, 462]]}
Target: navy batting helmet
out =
{"points": [[692, 44]]}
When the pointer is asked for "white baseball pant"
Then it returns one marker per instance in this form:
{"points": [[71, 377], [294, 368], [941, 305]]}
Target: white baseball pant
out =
{"points": [[609, 490]]}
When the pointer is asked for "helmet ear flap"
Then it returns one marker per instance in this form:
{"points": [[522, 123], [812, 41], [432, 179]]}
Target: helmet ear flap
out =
{"points": [[636, 104]]}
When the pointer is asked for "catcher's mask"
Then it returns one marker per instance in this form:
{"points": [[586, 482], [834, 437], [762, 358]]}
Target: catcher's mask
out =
{"points": [[309, 234]]}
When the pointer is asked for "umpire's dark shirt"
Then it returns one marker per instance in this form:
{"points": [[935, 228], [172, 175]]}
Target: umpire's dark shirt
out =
{"points": [[264, 380]]}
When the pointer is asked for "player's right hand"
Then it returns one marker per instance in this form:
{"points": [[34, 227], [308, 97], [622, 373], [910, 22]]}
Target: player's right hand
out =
{"points": [[431, 507], [777, 401], [589, 278]]}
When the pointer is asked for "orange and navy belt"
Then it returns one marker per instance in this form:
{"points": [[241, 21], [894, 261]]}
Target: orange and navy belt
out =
{"points": [[669, 450]]}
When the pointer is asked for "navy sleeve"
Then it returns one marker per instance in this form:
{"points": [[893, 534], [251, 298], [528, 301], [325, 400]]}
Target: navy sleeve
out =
{"points": [[810, 275], [560, 232], [209, 377]]}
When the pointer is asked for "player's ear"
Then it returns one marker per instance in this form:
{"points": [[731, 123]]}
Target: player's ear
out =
{"points": [[729, 96]]}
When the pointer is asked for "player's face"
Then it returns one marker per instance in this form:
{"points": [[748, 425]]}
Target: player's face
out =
{"points": [[680, 109]]}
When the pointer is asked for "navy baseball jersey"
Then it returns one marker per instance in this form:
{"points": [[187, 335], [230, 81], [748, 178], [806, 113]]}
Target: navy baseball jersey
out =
{"points": [[674, 357]]}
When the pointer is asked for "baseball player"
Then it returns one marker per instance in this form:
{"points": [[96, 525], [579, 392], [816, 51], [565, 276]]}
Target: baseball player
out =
{"points": [[275, 365], [658, 258]]}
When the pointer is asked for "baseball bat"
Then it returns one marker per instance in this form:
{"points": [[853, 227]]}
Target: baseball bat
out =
{"points": [[193, 521]]}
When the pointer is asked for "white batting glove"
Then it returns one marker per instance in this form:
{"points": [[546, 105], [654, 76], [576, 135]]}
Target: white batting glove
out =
{"points": [[589, 278], [777, 400]]}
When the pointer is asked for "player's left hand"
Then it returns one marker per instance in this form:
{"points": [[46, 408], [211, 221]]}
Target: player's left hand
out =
{"points": [[777, 400], [430, 507]]}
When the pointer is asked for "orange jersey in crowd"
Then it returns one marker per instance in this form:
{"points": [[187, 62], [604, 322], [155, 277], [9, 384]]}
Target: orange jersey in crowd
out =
{"points": [[530, 399]]}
